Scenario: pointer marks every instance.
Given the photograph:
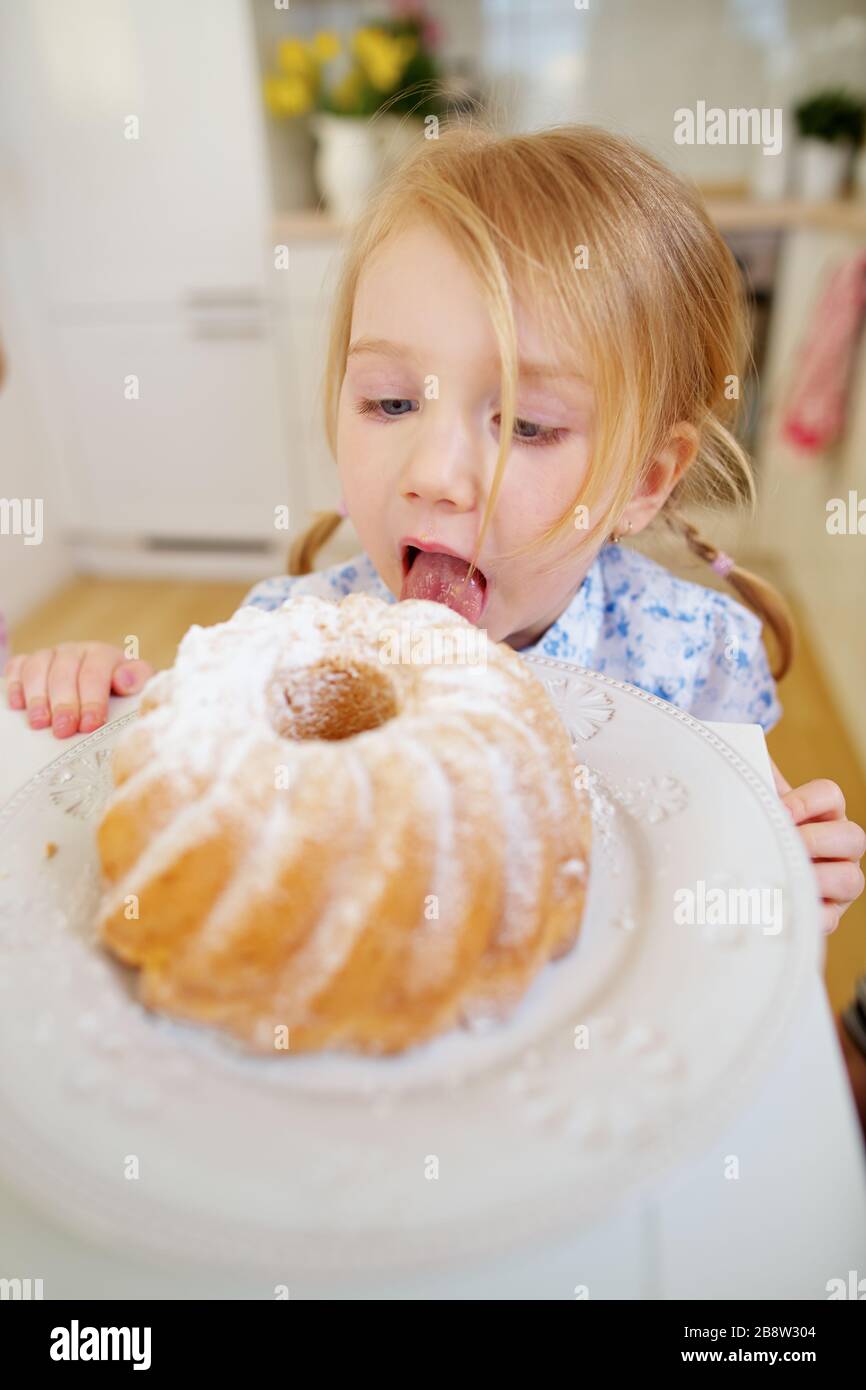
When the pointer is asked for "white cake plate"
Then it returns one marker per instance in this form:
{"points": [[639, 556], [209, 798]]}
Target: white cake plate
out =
{"points": [[624, 1057]]}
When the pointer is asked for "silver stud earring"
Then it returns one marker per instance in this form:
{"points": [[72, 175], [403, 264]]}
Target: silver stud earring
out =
{"points": [[616, 536]]}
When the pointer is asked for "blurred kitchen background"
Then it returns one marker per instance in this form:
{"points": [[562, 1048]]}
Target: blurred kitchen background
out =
{"points": [[175, 184]]}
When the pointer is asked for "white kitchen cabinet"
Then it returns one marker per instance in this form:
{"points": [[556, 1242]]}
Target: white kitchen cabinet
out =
{"points": [[152, 257], [150, 221], [306, 288], [199, 453]]}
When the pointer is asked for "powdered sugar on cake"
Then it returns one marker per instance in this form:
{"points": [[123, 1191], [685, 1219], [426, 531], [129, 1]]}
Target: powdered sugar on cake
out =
{"points": [[466, 765]]}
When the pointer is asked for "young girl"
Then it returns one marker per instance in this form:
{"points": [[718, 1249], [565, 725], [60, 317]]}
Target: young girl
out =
{"points": [[536, 345]]}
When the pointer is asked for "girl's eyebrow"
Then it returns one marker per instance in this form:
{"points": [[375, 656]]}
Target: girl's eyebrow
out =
{"points": [[529, 371], [382, 346], [547, 371]]}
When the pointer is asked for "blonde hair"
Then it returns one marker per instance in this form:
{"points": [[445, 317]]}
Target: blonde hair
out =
{"points": [[658, 314]]}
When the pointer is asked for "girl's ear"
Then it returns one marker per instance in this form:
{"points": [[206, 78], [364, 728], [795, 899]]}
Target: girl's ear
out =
{"points": [[661, 477]]}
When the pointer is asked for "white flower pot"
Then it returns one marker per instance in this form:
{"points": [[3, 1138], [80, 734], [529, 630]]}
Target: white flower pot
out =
{"points": [[347, 163], [822, 169]]}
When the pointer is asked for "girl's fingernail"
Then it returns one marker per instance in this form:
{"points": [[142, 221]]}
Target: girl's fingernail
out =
{"points": [[16, 697], [127, 678], [64, 723], [38, 715], [90, 720]]}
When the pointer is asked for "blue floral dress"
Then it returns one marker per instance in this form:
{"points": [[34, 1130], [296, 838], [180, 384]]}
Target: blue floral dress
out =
{"points": [[630, 618]]}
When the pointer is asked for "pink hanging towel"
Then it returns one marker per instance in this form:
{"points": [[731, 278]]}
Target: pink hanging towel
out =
{"points": [[814, 413]]}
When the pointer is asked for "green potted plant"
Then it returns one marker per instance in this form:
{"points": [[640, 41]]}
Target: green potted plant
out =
{"points": [[830, 124]]}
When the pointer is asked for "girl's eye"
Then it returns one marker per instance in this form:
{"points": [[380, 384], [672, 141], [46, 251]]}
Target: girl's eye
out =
{"points": [[527, 432], [391, 407]]}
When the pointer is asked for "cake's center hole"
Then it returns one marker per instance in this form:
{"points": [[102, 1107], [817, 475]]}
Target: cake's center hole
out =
{"points": [[332, 701]]}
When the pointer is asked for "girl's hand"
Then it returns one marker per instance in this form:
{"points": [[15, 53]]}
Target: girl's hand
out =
{"points": [[67, 686], [834, 844]]}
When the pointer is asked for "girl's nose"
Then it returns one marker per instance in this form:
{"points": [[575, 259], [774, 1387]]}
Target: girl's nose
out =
{"points": [[435, 474]]}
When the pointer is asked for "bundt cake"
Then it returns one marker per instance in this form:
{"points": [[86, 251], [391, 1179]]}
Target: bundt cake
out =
{"points": [[323, 834]]}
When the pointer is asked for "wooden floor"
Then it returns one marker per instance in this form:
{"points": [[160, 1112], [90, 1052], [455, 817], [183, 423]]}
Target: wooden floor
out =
{"points": [[809, 742]]}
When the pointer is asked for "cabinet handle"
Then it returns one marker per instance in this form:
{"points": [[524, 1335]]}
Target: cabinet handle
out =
{"points": [[254, 328], [222, 297]]}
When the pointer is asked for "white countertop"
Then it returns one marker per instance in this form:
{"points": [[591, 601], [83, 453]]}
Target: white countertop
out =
{"points": [[795, 1218], [736, 212]]}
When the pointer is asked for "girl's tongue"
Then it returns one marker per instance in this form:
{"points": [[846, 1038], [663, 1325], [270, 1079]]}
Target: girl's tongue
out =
{"points": [[442, 579]]}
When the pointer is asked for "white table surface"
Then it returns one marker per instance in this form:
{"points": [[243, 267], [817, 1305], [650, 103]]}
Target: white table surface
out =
{"points": [[795, 1218]]}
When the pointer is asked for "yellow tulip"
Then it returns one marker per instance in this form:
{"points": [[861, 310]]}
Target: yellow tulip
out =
{"points": [[384, 58], [287, 96], [294, 56], [326, 46]]}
